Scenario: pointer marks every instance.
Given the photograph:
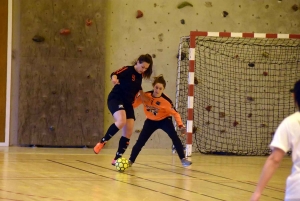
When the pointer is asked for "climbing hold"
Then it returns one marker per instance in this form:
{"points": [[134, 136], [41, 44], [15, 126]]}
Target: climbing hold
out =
{"points": [[65, 31], [235, 123], [183, 56], [249, 115], [184, 4], [153, 55], [88, 22], [38, 38], [249, 98], [139, 14], [295, 7], [251, 64], [182, 21], [265, 73], [225, 13], [208, 108], [51, 128], [196, 80], [160, 37], [195, 129]]}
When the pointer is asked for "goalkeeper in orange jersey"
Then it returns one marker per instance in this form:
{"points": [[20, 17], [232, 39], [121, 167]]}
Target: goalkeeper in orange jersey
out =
{"points": [[159, 111]]}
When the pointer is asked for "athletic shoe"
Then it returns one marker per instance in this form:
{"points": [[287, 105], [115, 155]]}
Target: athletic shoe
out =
{"points": [[113, 162], [130, 163], [185, 162], [98, 147]]}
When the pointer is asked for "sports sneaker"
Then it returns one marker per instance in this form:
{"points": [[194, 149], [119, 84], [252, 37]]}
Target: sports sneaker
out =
{"points": [[185, 162], [130, 163], [98, 147], [113, 162]]}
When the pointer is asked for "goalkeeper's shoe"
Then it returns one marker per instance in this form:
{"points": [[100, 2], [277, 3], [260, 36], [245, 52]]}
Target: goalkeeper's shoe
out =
{"points": [[185, 162]]}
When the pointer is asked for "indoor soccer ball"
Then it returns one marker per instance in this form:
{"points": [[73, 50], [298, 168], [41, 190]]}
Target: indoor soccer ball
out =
{"points": [[122, 164]]}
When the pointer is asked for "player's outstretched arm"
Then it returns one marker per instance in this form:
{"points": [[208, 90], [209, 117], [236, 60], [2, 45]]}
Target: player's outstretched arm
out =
{"points": [[143, 97], [137, 100], [268, 170]]}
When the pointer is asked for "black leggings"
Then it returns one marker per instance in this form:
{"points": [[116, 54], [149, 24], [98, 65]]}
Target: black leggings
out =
{"points": [[148, 129]]}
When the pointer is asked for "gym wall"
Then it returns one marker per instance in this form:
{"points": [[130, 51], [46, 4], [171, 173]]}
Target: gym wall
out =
{"points": [[60, 103]]}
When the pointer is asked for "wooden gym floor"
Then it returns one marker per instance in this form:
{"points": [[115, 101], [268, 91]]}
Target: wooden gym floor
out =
{"points": [[78, 174]]}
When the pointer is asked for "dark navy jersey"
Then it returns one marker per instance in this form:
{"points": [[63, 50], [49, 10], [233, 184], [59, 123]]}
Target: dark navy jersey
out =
{"points": [[130, 83]]}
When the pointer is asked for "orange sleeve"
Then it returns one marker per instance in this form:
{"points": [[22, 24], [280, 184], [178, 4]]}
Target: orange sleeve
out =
{"points": [[137, 100], [173, 111], [176, 115]]}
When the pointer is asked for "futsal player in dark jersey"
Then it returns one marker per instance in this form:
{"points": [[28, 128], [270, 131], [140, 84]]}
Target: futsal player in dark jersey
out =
{"points": [[159, 111], [127, 83]]}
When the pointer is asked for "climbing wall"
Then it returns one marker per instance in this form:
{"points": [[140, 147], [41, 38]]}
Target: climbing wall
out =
{"points": [[61, 73]]}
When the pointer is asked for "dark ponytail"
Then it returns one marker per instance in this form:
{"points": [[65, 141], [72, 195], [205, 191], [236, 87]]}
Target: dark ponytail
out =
{"points": [[159, 79], [296, 92], [148, 59]]}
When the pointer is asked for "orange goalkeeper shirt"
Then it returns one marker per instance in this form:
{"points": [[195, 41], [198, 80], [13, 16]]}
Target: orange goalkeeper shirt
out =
{"points": [[158, 108]]}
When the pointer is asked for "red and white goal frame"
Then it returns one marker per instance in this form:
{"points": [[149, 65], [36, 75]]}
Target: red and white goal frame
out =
{"points": [[191, 72]]}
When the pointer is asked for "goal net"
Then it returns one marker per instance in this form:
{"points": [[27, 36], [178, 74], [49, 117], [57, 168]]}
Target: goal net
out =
{"points": [[233, 91]]}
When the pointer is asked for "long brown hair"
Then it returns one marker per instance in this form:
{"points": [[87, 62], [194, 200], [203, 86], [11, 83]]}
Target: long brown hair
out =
{"points": [[148, 59], [159, 79]]}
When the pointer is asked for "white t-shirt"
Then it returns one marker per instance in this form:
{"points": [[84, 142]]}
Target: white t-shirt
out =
{"points": [[287, 137]]}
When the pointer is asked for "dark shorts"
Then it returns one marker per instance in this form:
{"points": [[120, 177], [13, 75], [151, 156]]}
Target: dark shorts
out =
{"points": [[115, 104]]}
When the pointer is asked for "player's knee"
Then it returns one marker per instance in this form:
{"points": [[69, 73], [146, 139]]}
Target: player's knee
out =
{"points": [[120, 123]]}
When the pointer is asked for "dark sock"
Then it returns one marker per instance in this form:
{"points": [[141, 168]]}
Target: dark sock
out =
{"points": [[123, 144], [178, 147], [112, 130]]}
